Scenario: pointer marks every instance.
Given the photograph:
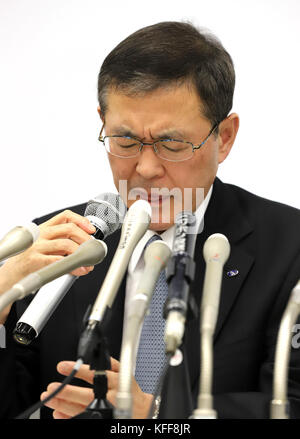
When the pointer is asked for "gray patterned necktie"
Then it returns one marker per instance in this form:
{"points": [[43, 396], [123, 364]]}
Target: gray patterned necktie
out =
{"points": [[151, 351]]}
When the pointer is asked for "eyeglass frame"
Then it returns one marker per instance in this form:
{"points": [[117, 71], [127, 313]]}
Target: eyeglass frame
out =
{"points": [[102, 139]]}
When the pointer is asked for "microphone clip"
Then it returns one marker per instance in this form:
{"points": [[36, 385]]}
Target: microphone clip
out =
{"points": [[180, 273]]}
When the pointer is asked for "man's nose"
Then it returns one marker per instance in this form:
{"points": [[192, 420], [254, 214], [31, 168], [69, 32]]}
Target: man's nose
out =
{"points": [[149, 165]]}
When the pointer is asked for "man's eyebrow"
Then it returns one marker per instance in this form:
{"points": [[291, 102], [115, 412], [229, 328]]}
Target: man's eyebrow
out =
{"points": [[166, 134], [123, 131], [171, 134]]}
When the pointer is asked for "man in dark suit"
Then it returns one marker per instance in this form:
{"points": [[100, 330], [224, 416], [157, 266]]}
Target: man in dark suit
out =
{"points": [[165, 94]]}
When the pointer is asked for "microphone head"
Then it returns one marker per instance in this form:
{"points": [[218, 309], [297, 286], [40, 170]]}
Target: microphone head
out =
{"points": [[107, 212], [142, 206], [159, 251], [136, 223], [34, 230], [140, 211], [91, 252], [185, 233], [216, 248]]}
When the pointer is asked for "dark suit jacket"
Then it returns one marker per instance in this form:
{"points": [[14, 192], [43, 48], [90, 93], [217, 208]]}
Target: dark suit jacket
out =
{"points": [[265, 249]]}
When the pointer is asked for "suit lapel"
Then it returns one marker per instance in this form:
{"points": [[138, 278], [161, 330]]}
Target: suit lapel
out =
{"points": [[223, 215], [231, 286]]}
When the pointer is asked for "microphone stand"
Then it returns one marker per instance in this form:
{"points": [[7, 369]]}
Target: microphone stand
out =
{"points": [[205, 400], [176, 395], [280, 404], [98, 358], [216, 252]]}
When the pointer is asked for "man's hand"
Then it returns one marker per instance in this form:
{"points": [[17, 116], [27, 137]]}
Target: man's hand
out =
{"points": [[59, 237], [73, 400]]}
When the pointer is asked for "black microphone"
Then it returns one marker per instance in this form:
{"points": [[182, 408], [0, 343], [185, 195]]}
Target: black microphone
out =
{"points": [[175, 387], [180, 273], [106, 212]]}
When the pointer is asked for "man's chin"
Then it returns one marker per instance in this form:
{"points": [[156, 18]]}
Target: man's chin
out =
{"points": [[160, 227]]}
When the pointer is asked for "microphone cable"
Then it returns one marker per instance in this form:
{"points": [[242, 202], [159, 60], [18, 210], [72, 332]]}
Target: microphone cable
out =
{"points": [[28, 412], [39, 404]]}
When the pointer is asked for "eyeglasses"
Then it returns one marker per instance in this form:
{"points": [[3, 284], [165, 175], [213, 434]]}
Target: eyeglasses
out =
{"points": [[167, 149]]}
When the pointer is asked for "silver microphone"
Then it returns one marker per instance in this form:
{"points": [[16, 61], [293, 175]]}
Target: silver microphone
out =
{"points": [[156, 256], [91, 252], [135, 225], [216, 251], [106, 212], [17, 240], [279, 403]]}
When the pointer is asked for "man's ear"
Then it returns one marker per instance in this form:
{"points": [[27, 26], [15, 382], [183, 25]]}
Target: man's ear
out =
{"points": [[100, 113], [228, 129]]}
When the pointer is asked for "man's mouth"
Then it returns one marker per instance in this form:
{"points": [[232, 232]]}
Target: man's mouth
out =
{"points": [[155, 199]]}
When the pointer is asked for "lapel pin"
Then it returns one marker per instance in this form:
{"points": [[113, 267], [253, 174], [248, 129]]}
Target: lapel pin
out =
{"points": [[232, 273]]}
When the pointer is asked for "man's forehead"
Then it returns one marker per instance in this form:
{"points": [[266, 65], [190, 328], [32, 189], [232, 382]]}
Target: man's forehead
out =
{"points": [[183, 95], [166, 112]]}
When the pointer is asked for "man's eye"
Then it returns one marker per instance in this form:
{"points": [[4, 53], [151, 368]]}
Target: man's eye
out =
{"points": [[122, 142], [126, 145], [174, 146]]}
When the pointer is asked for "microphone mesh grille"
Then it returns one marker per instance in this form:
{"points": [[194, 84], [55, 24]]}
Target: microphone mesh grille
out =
{"points": [[109, 208]]}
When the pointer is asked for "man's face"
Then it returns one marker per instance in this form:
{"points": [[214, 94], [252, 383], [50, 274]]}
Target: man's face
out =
{"points": [[173, 112]]}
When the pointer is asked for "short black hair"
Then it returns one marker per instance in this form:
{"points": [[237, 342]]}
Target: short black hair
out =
{"points": [[167, 54]]}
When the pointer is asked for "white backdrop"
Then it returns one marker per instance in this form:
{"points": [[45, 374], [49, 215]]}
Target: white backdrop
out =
{"points": [[50, 55]]}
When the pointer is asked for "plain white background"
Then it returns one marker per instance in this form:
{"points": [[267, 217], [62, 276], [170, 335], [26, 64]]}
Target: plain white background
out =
{"points": [[50, 55]]}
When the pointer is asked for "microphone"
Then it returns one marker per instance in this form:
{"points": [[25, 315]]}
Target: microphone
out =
{"points": [[91, 252], [280, 403], [136, 223], [156, 256], [180, 273], [106, 212], [216, 251], [17, 240]]}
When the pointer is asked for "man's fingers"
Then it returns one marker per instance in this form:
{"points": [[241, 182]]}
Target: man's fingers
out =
{"points": [[112, 379], [111, 396], [61, 247], [82, 271], [59, 237], [84, 373], [67, 216], [67, 408], [76, 394], [68, 230], [114, 365], [59, 415]]}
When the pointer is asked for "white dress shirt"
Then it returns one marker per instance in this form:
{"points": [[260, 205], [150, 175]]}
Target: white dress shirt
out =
{"points": [[136, 263]]}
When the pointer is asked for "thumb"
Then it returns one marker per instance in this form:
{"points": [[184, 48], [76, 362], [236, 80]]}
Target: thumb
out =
{"points": [[114, 364]]}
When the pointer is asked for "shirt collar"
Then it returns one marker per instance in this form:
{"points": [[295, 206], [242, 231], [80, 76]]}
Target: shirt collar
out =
{"points": [[167, 235]]}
